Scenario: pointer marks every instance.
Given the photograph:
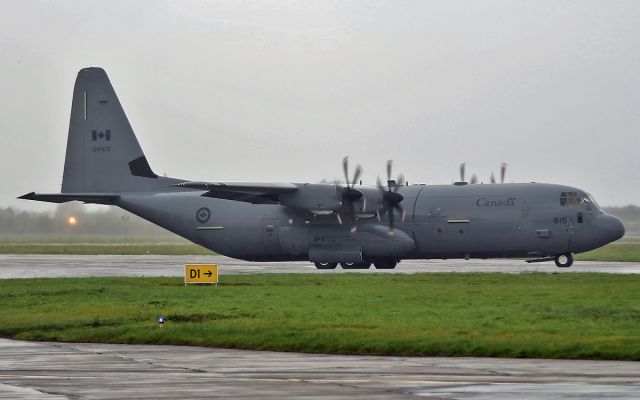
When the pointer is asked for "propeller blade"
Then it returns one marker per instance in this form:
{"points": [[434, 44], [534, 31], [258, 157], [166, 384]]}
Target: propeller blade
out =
{"points": [[493, 178], [400, 181], [402, 213], [389, 166], [462, 168], [356, 175], [345, 168], [503, 172], [474, 179], [379, 184], [391, 221]]}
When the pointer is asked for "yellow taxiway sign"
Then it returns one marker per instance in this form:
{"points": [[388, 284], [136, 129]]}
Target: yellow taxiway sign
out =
{"points": [[200, 273]]}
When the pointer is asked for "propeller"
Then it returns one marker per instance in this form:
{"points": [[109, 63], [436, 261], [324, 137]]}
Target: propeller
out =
{"points": [[503, 172], [350, 194], [492, 178], [391, 199]]}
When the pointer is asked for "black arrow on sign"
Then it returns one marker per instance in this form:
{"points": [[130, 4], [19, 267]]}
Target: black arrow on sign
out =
{"points": [[208, 273]]}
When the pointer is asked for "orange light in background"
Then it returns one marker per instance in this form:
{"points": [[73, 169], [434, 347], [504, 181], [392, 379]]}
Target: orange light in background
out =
{"points": [[72, 221]]}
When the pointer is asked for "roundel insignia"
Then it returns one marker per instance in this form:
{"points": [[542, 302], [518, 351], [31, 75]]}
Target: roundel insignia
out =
{"points": [[203, 214]]}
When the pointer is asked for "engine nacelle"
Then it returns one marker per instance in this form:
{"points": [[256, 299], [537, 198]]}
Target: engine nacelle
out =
{"points": [[313, 197]]}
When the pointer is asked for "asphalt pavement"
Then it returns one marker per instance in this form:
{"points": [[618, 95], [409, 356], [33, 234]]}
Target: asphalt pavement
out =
{"points": [[104, 371]]}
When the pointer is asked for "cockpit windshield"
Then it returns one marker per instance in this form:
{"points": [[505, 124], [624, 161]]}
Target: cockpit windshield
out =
{"points": [[572, 199], [593, 201]]}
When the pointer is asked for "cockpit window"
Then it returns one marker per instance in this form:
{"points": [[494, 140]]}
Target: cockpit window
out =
{"points": [[575, 199], [593, 201]]}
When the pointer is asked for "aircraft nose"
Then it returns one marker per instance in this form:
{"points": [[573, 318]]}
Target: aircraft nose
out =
{"points": [[611, 226]]}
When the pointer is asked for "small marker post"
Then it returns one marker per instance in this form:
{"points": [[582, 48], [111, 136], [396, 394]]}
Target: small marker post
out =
{"points": [[161, 321]]}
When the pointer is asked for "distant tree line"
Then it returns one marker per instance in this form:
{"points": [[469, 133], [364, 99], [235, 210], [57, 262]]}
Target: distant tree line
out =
{"points": [[630, 216], [116, 223]]}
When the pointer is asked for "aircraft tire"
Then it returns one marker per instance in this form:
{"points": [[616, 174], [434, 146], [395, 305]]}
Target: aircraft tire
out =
{"points": [[563, 260], [385, 264], [360, 265], [320, 265]]}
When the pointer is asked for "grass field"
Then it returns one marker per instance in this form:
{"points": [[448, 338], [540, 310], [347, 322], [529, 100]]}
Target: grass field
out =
{"points": [[593, 316], [623, 250]]}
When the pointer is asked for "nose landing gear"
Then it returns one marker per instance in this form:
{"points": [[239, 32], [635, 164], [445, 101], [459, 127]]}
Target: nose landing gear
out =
{"points": [[563, 260]]}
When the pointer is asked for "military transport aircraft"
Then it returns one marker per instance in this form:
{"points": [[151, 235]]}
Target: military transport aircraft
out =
{"points": [[353, 224]]}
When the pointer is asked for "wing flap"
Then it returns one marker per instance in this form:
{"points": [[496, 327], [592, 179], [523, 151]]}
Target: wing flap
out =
{"points": [[248, 192], [253, 198], [245, 187]]}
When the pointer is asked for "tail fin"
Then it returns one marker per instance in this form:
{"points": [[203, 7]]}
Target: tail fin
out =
{"points": [[103, 154]]}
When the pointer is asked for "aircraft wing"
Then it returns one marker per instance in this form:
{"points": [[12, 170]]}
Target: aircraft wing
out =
{"points": [[248, 192]]}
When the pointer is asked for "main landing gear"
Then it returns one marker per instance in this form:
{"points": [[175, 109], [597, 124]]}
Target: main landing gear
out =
{"points": [[386, 264], [379, 264], [563, 260], [327, 265], [352, 265]]}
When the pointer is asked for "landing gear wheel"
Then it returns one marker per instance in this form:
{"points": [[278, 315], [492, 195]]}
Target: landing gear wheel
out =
{"points": [[320, 265], [360, 265], [386, 264], [564, 260]]}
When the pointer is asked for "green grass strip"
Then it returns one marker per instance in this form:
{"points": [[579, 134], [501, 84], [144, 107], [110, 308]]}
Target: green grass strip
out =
{"points": [[585, 316]]}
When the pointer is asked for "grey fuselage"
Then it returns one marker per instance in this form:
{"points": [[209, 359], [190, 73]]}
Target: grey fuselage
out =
{"points": [[441, 221]]}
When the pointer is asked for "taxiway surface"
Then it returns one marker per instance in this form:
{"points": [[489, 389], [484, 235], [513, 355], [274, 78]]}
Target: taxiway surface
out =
{"points": [[38, 266], [104, 371]]}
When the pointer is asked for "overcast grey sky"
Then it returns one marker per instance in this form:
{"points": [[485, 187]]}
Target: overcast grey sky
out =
{"points": [[282, 90]]}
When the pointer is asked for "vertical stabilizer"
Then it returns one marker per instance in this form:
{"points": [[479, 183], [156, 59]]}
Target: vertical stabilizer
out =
{"points": [[103, 154]]}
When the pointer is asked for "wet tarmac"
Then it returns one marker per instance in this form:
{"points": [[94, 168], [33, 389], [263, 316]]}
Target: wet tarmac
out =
{"points": [[99, 371], [32, 266]]}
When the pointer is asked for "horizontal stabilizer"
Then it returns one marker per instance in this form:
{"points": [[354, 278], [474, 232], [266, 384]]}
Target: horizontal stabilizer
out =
{"points": [[95, 198]]}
